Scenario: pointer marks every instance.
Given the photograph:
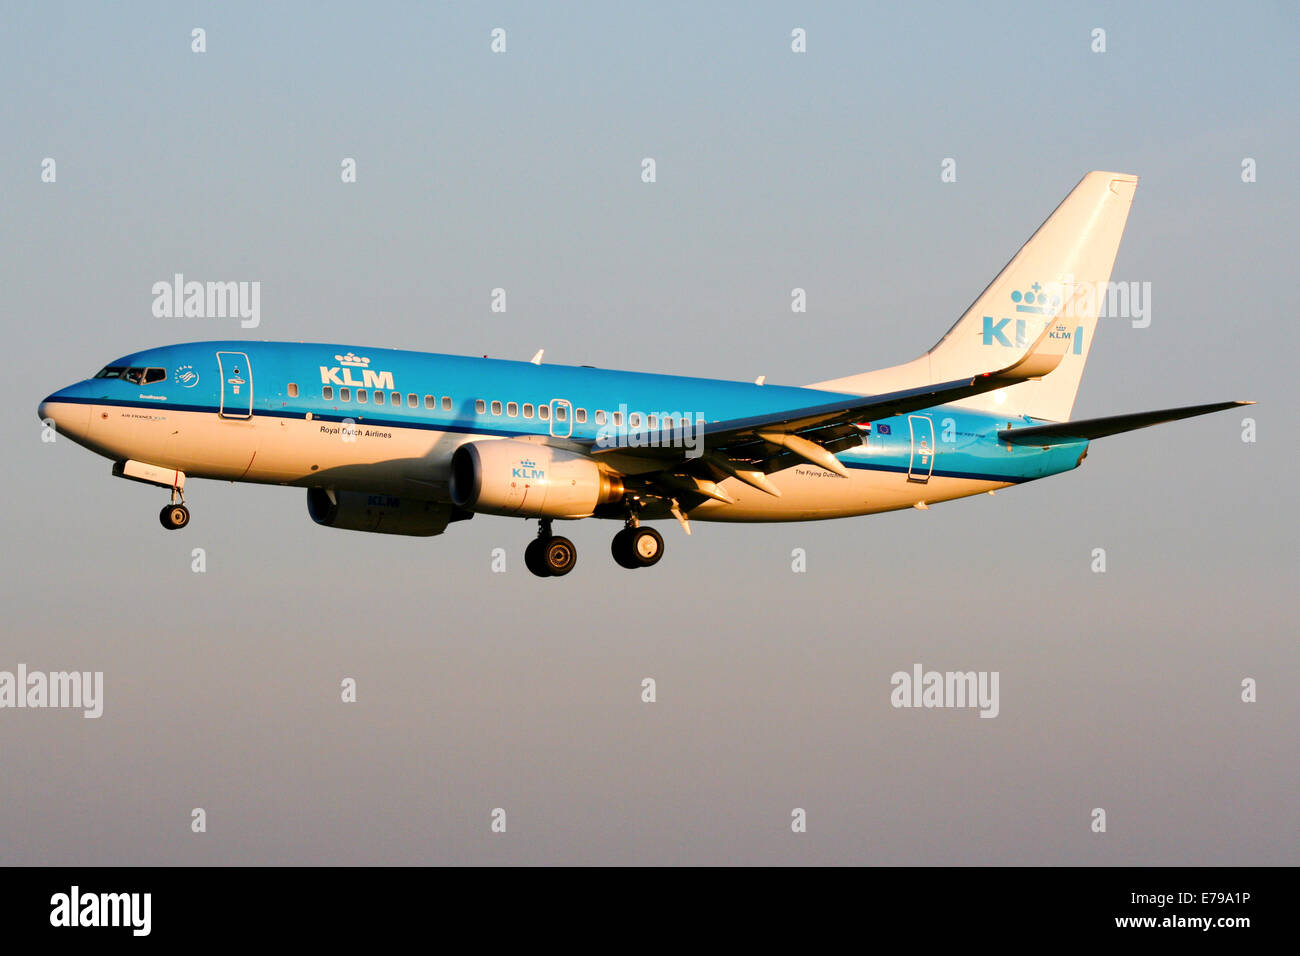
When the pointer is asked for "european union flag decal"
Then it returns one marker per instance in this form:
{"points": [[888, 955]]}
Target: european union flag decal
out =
{"points": [[882, 430]]}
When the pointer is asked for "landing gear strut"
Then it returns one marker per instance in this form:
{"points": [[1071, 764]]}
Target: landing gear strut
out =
{"points": [[548, 555], [175, 515], [637, 547]]}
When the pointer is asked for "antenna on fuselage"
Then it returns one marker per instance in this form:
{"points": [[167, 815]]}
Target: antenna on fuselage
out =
{"points": [[537, 359]]}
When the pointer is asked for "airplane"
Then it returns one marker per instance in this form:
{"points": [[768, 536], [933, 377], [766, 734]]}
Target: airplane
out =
{"points": [[404, 442]]}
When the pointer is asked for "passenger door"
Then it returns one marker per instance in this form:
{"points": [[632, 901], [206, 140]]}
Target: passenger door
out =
{"points": [[236, 385]]}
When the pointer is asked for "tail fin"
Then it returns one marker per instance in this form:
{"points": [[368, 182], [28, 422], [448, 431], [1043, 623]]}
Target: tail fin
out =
{"points": [[1059, 276]]}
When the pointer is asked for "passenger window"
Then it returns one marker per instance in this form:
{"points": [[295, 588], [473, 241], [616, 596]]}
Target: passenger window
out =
{"points": [[528, 410], [580, 415], [446, 403], [496, 408], [544, 412], [600, 416], [362, 395], [293, 389], [396, 398], [345, 394], [480, 406], [326, 392], [512, 409], [561, 413], [618, 418], [652, 421], [430, 401], [633, 419], [412, 400]]}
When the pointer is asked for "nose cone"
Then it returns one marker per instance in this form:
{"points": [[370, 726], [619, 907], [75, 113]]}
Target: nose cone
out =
{"points": [[70, 414]]}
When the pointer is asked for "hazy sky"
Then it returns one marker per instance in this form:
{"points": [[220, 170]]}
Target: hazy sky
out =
{"points": [[775, 170]]}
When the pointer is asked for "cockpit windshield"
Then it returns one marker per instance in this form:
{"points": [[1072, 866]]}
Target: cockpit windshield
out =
{"points": [[136, 376]]}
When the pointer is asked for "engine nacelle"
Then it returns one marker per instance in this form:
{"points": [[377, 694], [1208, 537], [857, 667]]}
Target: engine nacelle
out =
{"points": [[382, 514], [526, 480]]}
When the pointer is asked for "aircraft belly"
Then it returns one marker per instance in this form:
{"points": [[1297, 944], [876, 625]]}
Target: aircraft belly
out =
{"points": [[149, 433], [416, 461], [811, 494], [359, 456], [274, 450]]}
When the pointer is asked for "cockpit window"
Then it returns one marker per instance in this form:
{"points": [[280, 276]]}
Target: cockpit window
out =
{"points": [[143, 376], [111, 371]]}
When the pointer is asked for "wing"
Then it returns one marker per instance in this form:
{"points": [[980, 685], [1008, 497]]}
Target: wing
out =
{"points": [[752, 448]]}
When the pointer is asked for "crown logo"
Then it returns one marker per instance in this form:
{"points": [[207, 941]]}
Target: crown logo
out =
{"points": [[357, 361], [527, 463], [1036, 300]]}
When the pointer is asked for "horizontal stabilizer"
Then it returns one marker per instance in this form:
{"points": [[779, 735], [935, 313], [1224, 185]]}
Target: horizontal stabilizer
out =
{"points": [[1089, 428]]}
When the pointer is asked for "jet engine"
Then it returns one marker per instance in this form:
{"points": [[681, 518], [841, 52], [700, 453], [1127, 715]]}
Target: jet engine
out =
{"points": [[526, 480]]}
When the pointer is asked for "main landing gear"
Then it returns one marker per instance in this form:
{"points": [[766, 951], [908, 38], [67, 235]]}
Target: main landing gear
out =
{"points": [[551, 556], [548, 555], [175, 515], [637, 547]]}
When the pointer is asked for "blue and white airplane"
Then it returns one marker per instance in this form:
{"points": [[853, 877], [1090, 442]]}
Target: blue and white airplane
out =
{"points": [[402, 442]]}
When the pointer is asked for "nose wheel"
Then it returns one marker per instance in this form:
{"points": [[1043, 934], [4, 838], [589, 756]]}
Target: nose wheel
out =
{"points": [[637, 547], [548, 555], [174, 517]]}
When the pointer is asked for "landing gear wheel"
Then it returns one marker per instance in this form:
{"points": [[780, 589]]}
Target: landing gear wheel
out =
{"points": [[550, 556], [535, 559], [621, 549], [637, 547], [174, 517], [558, 555]]}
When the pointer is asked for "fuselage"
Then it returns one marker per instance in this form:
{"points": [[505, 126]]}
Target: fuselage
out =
{"points": [[387, 421]]}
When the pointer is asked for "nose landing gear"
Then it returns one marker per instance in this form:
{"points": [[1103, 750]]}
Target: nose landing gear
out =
{"points": [[175, 515], [548, 555]]}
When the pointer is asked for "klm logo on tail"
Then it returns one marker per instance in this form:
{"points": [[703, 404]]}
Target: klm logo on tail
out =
{"points": [[1038, 301]]}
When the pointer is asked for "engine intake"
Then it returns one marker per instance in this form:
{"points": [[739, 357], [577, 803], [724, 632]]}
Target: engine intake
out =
{"points": [[522, 479]]}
